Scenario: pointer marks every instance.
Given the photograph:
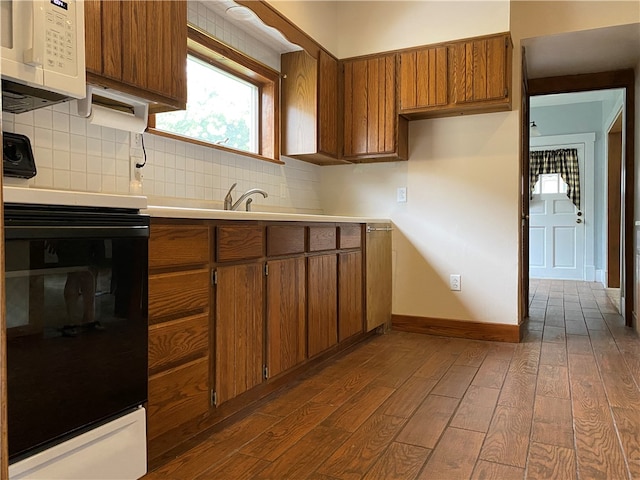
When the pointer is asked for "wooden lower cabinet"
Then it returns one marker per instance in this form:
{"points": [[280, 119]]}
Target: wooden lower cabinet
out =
{"points": [[179, 297], [239, 330], [378, 276], [322, 309], [350, 302], [208, 345], [177, 395], [286, 315]]}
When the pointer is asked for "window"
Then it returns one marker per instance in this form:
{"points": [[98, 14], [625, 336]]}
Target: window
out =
{"points": [[232, 101], [221, 109], [550, 183]]}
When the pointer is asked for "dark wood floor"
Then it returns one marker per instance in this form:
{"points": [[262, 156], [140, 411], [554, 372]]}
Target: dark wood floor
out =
{"points": [[563, 404]]}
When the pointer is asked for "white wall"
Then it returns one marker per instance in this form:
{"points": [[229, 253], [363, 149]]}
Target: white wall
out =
{"points": [[73, 154]]}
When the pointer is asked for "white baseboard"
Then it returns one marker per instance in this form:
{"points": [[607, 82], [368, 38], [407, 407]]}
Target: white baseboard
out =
{"points": [[600, 276]]}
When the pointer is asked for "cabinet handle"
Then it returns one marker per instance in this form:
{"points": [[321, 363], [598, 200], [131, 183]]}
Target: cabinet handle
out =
{"points": [[378, 229]]}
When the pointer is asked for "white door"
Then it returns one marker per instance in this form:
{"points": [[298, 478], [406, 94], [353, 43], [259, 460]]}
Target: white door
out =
{"points": [[556, 232]]}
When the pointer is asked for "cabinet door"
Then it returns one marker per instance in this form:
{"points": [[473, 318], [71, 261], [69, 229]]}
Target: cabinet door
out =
{"points": [[138, 46], [310, 107], [322, 292], [286, 310], [239, 330], [480, 69], [327, 104], [378, 276], [177, 395], [370, 115], [350, 294], [423, 78]]}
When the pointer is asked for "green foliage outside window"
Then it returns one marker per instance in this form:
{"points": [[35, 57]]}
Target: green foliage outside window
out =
{"points": [[221, 109]]}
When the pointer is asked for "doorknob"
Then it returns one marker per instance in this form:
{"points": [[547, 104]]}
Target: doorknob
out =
{"points": [[579, 220]]}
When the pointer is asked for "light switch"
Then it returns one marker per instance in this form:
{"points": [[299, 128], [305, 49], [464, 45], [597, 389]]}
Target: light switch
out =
{"points": [[401, 195]]}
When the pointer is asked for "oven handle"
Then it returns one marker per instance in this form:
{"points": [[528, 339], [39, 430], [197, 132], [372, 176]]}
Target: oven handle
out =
{"points": [[23, 232]]}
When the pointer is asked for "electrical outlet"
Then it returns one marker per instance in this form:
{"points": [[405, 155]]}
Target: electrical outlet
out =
{"points": [[136, 140], [454, 282], [401, 194]]}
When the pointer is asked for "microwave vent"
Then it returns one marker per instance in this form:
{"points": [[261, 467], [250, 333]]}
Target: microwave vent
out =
{"points": [[18, 98]]}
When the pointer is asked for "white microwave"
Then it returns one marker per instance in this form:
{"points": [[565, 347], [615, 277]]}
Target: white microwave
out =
{"points": [[42, 52]]}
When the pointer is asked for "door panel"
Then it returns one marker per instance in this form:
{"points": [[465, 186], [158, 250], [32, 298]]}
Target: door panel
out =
{"points": [[537, 252], [556, 239], [564, 247]]}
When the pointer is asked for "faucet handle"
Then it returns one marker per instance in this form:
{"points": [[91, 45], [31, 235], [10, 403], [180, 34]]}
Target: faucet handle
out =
{"points": [[228, 199]]}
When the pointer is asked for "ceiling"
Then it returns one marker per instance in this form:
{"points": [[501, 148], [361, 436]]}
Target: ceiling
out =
{"points": [[587, 51]]}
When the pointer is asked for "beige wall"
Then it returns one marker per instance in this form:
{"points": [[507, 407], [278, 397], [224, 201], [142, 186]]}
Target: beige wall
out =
{"points": [[459, 218], [463, 173], [368, 27], [319, 19]]}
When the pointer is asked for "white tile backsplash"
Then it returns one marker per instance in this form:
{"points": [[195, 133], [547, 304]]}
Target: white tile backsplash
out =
{"points": [[73, 154]]}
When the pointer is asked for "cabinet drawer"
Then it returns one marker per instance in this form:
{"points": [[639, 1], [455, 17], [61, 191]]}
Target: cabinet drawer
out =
{"points": [[178, 341], [285, 240], [173, 245], [350, 236], [177, 396], [322, 238], [240, 242], [172, 294]]}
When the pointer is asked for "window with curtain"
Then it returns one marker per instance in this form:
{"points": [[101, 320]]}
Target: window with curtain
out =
{"points": [[563, 162]]}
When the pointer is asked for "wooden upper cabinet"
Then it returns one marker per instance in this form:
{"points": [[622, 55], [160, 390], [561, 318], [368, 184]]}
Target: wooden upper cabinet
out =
{"points": [[463, 77], [310, 107], [480, 69], [423, 78], [373, 131], [139, 47]]}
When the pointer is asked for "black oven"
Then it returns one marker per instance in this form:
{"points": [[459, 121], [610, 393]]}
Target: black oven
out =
{"points": [[76, 312]]}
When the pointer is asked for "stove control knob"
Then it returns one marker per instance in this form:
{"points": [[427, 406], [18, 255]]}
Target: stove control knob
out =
{"points": [[11, 153]]}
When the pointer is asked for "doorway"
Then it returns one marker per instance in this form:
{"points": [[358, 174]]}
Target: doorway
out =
{"points": [[597, 82], [561, 245]]}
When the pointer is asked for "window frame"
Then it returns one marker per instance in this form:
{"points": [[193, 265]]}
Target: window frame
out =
{"points": [[204, 47]]}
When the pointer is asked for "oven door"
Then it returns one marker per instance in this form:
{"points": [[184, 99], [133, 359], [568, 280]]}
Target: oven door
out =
{"points": [[76, 314]]}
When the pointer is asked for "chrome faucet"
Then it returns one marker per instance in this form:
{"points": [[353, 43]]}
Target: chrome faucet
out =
{"points": [[228, 199]]}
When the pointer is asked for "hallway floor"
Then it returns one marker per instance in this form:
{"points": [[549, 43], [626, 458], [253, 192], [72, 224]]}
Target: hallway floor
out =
{"points": [[563, 404]]}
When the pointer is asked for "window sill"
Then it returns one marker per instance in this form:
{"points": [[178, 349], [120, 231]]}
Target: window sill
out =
{"points": [[174, 136]]}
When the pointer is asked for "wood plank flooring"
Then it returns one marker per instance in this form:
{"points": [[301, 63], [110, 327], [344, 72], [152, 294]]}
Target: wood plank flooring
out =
{"points": [[563, 404]]}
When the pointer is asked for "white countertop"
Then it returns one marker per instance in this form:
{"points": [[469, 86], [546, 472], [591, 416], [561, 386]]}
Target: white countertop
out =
{"points": [[41, 196], [213, 214]]}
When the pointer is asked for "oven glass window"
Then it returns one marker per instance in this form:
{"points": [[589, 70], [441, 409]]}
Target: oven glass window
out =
{"points": [[76, 335]]}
